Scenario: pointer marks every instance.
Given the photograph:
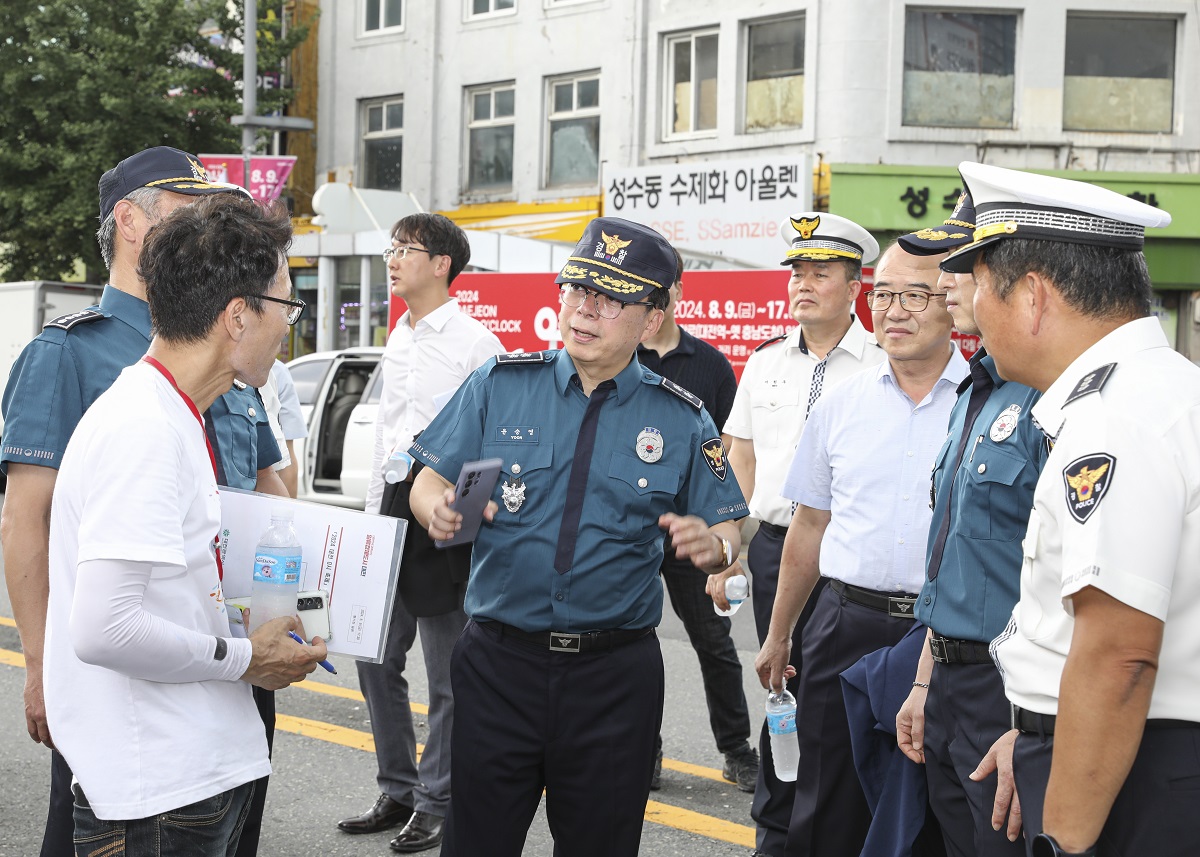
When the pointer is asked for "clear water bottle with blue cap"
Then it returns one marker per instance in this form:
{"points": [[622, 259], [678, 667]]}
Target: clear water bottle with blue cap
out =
{"points": [[397, 467], [737, 590], [781, 725], [277, 564]]}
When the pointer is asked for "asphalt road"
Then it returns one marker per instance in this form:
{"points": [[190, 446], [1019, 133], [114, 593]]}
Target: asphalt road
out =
{"points": [[324, 765]]}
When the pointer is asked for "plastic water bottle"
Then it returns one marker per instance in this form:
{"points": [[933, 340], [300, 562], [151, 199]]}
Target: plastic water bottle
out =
{"points": [[737, 590], [277, 564], [781, 724], [396, 468]]}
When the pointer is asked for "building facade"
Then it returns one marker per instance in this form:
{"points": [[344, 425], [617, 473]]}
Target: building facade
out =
{"points": [[508, 114]]}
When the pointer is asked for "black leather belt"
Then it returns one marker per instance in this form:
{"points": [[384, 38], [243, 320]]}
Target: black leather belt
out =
{"points": [[950, 651], [559, 641], [900, 606], [774, 529], [1032, 722], [1043, 724]]}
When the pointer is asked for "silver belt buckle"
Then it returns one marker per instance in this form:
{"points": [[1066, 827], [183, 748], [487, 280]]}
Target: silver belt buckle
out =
{"points": [[901, 608], [564, 642]]}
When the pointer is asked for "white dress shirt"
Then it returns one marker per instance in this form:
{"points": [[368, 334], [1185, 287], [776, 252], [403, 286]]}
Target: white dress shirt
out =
{"points": [[422, 368], [778, 387], [866, 456]]}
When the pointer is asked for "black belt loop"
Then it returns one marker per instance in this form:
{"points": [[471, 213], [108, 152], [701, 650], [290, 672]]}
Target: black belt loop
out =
{"points": [[946, 650], [897, 606], [570, 643]]}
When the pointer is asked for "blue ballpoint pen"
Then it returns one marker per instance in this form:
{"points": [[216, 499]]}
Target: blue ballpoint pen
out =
{"points": [[328, 666]]}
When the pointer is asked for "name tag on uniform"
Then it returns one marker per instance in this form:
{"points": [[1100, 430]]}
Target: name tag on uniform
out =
{"points": [[517, 434]]}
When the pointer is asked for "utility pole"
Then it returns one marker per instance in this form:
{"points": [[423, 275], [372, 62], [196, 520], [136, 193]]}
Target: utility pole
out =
{"points": [[250, 120]]}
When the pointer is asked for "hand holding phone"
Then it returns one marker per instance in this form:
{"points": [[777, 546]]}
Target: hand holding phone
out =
{"points": [[476, 481]]}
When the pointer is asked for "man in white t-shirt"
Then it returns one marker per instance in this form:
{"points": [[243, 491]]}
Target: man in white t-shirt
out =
{"points": [[430, 352], [147, 691]]}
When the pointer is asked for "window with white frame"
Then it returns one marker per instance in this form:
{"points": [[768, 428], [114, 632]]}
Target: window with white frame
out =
{"points": [[1119, 74], [573, 111], [382, 15], [691, 79], [958, 68], [480, 8], [382, 143], [774, 96], [490, 137]]}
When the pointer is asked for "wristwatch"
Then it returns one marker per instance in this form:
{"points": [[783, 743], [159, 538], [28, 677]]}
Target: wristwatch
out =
{"points": [[726, 552], [221, 650], [1045, 846]]}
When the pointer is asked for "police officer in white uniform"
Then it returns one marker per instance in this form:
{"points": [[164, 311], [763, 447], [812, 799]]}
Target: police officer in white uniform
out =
{"points": [[1101, 659]]}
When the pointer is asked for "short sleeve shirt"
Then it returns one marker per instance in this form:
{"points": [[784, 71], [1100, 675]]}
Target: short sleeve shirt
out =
{"points": [[527, 412], [1117, 507], [865, 457], [978, 580], [779, 384], [241, 437], [142, 747], [64, 369]]}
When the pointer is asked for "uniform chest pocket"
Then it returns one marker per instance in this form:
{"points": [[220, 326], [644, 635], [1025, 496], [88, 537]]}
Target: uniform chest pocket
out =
{"points": [[524, 482], [637, 493], [996, 504], [237, 439], [773, 412]]}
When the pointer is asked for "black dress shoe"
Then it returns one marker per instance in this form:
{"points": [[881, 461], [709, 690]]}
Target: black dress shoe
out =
{"points": [[422, 832], [384, 815]]}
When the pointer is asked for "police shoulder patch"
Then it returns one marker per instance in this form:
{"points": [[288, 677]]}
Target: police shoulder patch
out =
{"points": [[1092, 382], [74, 319], [771, 341], [1087, 480], [691, 399], [519, 357], [714, 457]]}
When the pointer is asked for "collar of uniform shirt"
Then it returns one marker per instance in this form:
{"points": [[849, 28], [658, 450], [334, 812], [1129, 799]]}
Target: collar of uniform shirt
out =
{"points": [[135, 312], [1137, 335], [628, 379], [854, 341]]}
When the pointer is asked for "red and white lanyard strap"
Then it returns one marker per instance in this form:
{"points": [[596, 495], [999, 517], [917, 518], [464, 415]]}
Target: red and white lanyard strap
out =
{"points": [[212, 458]]}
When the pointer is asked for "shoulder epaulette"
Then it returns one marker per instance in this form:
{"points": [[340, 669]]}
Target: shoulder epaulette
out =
{"points": [[516, 357], [1092, 382], [691, 399], [771, 341], [66, 322]]}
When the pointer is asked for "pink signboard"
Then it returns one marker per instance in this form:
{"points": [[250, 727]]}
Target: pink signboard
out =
{"points": [[268, 174]]}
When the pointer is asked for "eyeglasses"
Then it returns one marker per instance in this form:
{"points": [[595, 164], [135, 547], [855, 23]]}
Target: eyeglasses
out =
{"points": [[402, 252], [606, 307], [297, 307], [914, 301]]}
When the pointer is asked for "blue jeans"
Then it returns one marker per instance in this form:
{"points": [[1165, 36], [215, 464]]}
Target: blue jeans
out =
{"points": [[207, 828]]}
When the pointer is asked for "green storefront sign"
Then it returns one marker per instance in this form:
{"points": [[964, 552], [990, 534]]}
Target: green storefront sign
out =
{"points": [[893, 200]]}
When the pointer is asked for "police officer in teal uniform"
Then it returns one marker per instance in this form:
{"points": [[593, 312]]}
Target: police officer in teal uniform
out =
{"points": [[982, 491], [558, 677]]}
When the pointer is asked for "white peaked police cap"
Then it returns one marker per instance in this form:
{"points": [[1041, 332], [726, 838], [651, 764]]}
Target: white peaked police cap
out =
{"points": [[817, 236], [1015, 204]]}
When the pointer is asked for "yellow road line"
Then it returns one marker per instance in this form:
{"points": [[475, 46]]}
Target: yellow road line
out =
{"points": [[690, 821], [316, 686], [4, 620], [667, 815]]}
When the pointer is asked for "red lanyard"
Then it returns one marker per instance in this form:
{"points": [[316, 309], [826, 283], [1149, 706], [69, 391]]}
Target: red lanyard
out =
{"points": [[211, 457]]}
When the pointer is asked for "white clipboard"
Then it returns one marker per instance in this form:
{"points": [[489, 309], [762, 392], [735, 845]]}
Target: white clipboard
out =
{"points": [[353, 556]]}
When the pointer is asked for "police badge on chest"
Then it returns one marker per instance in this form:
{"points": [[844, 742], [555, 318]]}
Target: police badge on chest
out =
{"points": [[512, 491]]}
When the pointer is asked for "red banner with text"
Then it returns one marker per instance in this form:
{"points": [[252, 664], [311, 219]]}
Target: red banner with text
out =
{"points": [[734, 311]]}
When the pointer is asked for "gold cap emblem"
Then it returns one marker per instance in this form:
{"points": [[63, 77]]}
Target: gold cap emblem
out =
{"points": [[805, 226], [613, 243]]}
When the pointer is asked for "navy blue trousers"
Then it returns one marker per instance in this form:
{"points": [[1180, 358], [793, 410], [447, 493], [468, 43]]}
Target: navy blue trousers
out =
{"points": [[582, 726]]}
